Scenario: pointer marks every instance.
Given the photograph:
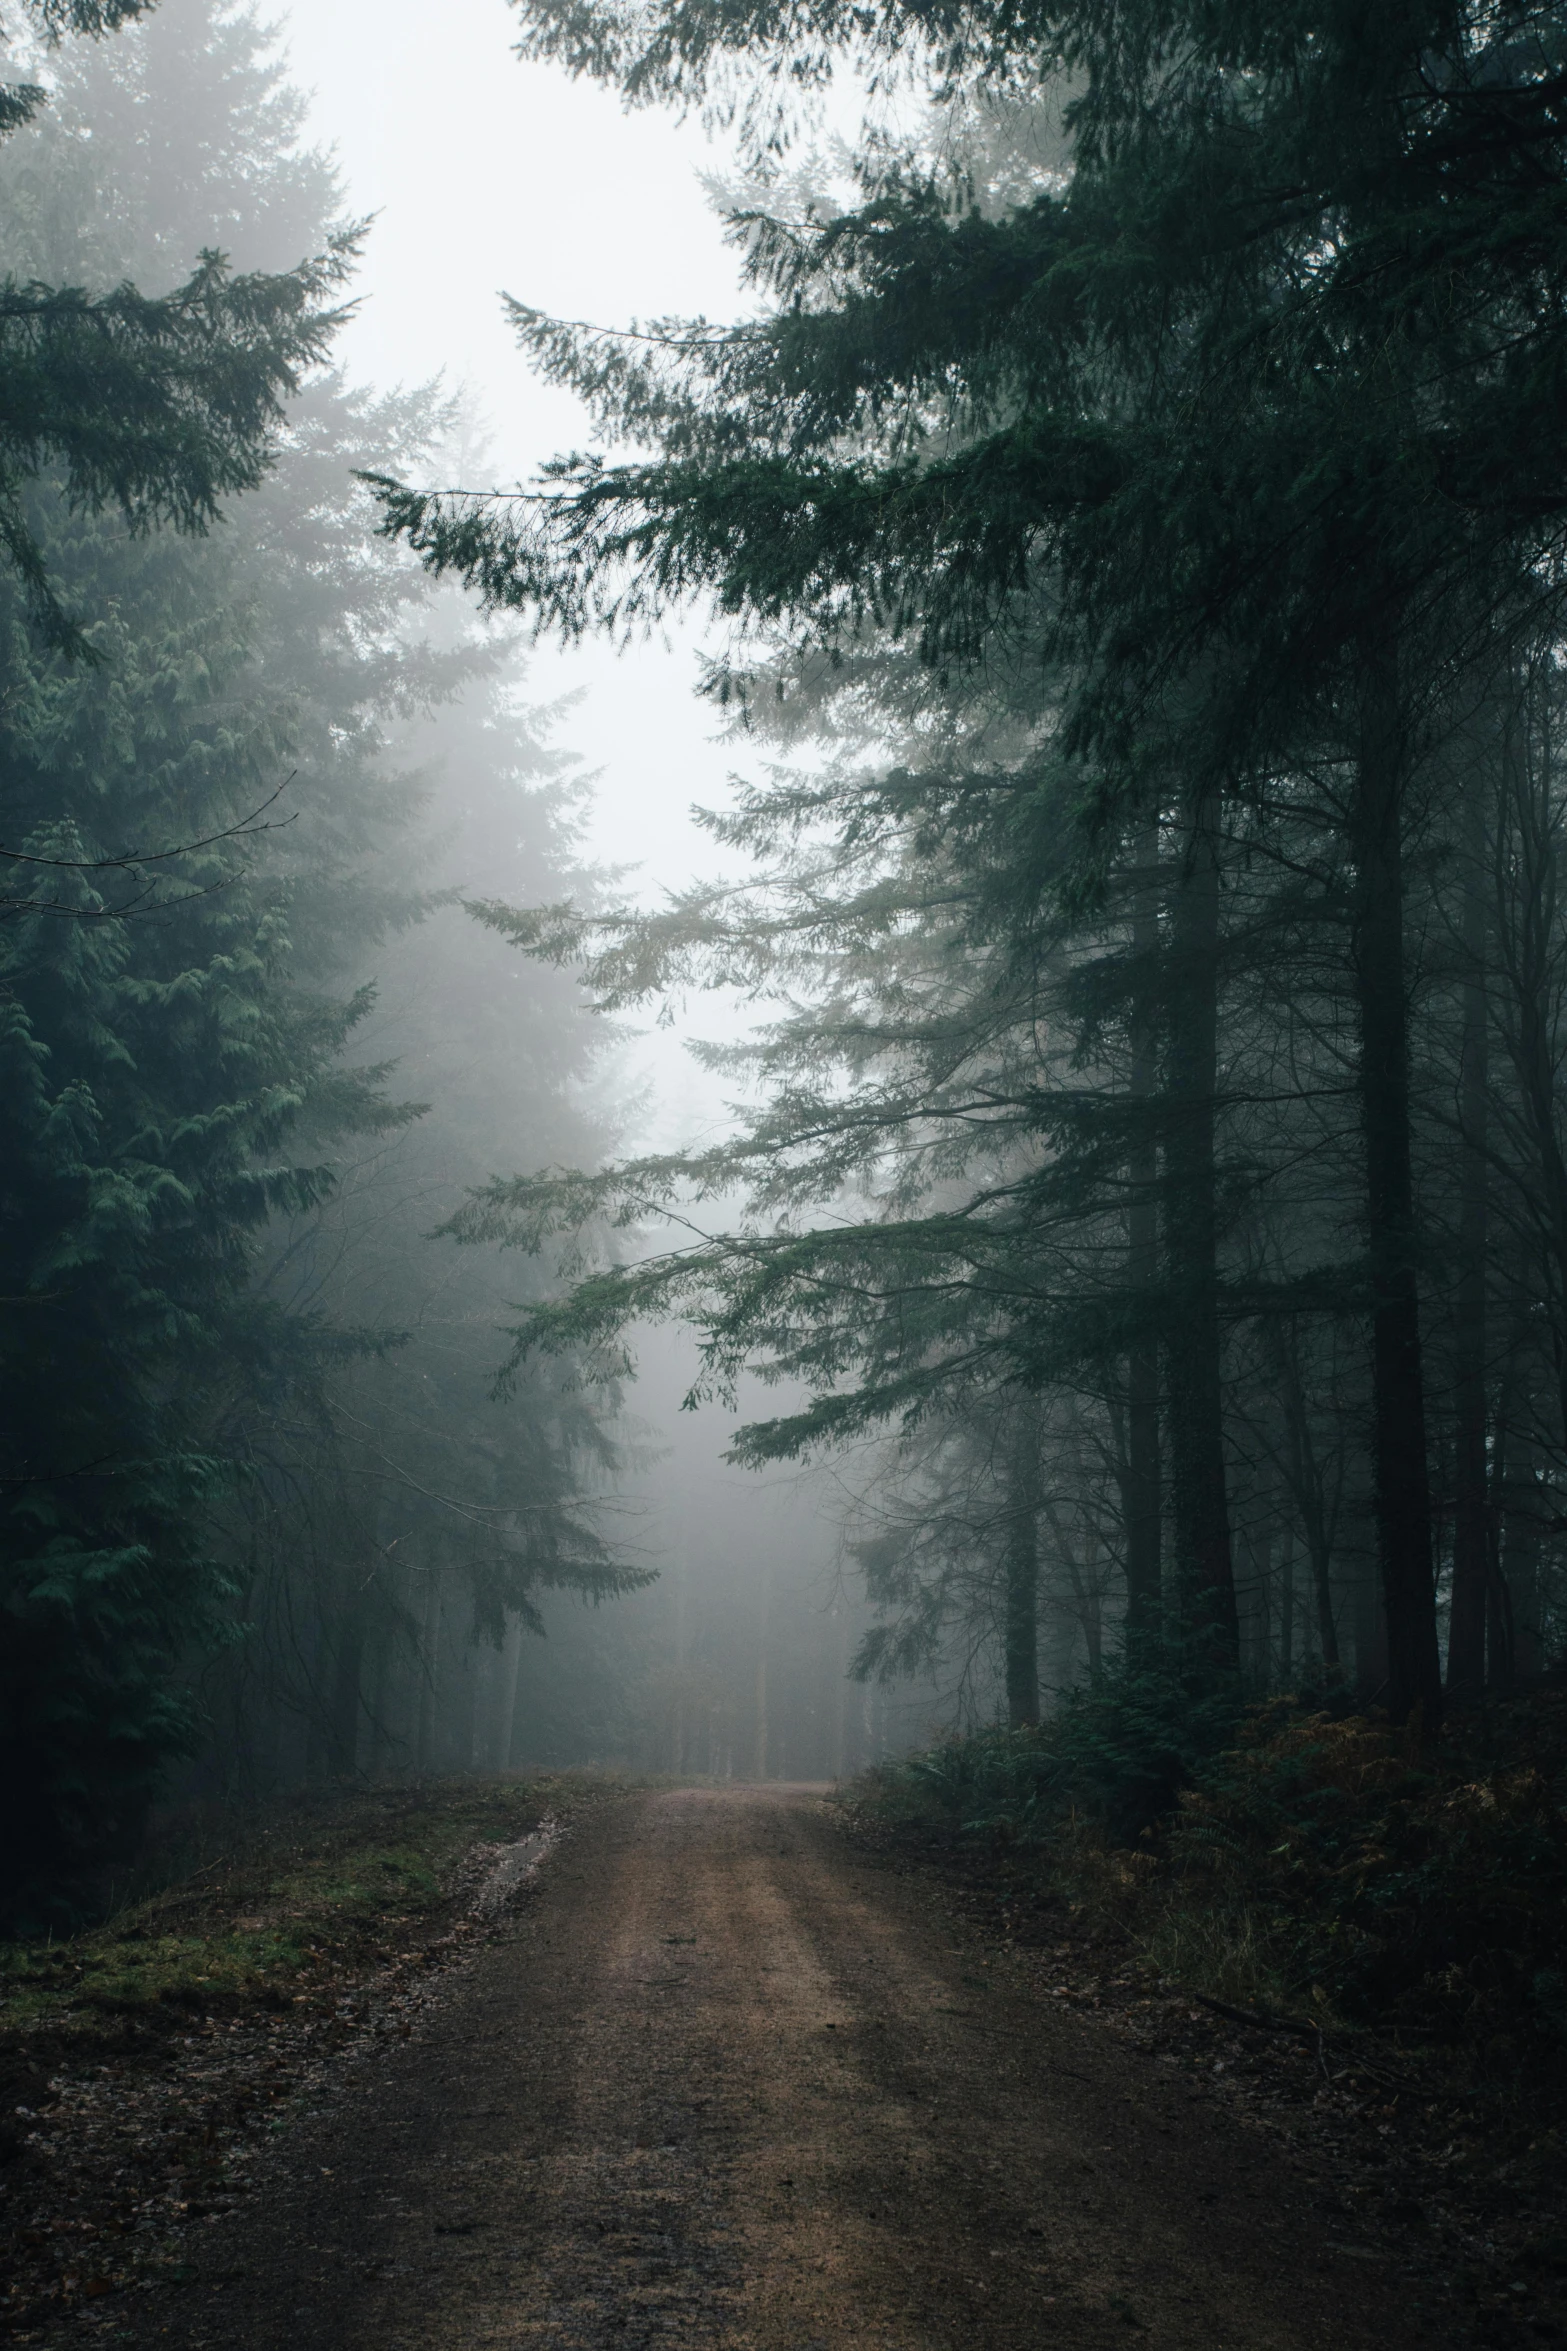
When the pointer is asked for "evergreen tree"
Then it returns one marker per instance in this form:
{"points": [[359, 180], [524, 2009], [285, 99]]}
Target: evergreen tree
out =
{"points": [[1259, 389], [158, 406], [219, 826]]}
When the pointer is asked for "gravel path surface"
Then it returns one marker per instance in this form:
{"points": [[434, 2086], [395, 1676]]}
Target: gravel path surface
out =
{"points": [[725, 2080]]}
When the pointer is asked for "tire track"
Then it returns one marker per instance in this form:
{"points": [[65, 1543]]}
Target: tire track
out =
{"points": [[725, 2082]]}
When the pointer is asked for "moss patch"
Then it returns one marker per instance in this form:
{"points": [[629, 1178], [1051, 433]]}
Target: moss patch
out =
{"points": [[317, 1894], [146, 2065]]}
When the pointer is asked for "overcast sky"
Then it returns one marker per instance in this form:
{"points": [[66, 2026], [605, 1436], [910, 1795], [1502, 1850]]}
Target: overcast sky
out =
{"points": [[487, 174]]}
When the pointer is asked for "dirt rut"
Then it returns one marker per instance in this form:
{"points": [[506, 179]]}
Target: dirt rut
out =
{"points": [[726, 2082]]}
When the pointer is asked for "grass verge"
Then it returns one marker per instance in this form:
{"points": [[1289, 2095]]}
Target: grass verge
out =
{"points": [[147, 2066]]}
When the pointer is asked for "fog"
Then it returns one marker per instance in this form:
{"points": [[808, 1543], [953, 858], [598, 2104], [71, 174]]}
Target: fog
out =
{"points": [[471, 163], [558, 1218], [783, 1181]]}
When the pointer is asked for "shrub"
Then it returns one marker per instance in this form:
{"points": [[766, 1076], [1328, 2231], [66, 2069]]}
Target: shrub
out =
{"points": [[1117, 1754], [1425, 1890], [1332, 1864]]}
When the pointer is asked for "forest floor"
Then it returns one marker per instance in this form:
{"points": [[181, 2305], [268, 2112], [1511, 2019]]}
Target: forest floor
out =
{"points": [[722, 2071]]}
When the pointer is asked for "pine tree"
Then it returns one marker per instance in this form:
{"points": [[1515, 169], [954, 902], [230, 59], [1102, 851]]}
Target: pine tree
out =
{"points": [[217, 831], [157, 406], [1260, 389]]}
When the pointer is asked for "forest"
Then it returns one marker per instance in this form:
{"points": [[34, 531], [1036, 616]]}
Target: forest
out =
{"points": [[1070, 1466], [1136, 1254], [235, 1523], [266, 1523], [1131, 508], [1131, 512]]}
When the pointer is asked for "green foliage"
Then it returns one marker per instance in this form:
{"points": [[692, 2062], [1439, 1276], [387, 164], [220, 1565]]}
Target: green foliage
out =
{"points": [[1415, 1889], [161, 407], [51, 20], [304, 1897], [156, 1058], [177, 1075], [158, 406], [56, 17], [249, 1434], [1117, 1753], [1232, 422], [1095, 378], [1331, 1865]]}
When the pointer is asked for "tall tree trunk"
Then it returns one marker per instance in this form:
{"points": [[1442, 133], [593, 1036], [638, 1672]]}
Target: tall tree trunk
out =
{"points": [[462, 1684], [1305, 1481], [1257, 1627], [1517, 1652], [1471, 1532], [1400, 1468], [1368, 1617], [429, 1666], [761, 1681], [840, 1724], [1022, 1568], [380, 1695], [1087, 1612], [1090, 1607], [1142, 1495], [1527, 949], [1287, 1606], [483, 1680], [511, 1681], [1199, 1499], [1504, 1647], [1322, 1593], [677, 1738], [1512, 1528], [348, 1669]]}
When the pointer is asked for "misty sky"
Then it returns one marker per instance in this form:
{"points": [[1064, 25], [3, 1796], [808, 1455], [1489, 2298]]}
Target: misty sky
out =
{"points": [[485, 174]]}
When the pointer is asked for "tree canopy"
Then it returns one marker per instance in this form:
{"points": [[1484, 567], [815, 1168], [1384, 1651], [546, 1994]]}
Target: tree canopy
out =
{"points": [[159, 405], [1237, 423]]}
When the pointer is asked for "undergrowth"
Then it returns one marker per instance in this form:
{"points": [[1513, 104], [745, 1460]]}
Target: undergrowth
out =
{"points": [[1322, 1866], [309, 1902], [148, 2063]]}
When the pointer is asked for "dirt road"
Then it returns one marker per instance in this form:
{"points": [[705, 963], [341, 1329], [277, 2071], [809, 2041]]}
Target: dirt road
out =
{"points": [[724, 2081]]}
